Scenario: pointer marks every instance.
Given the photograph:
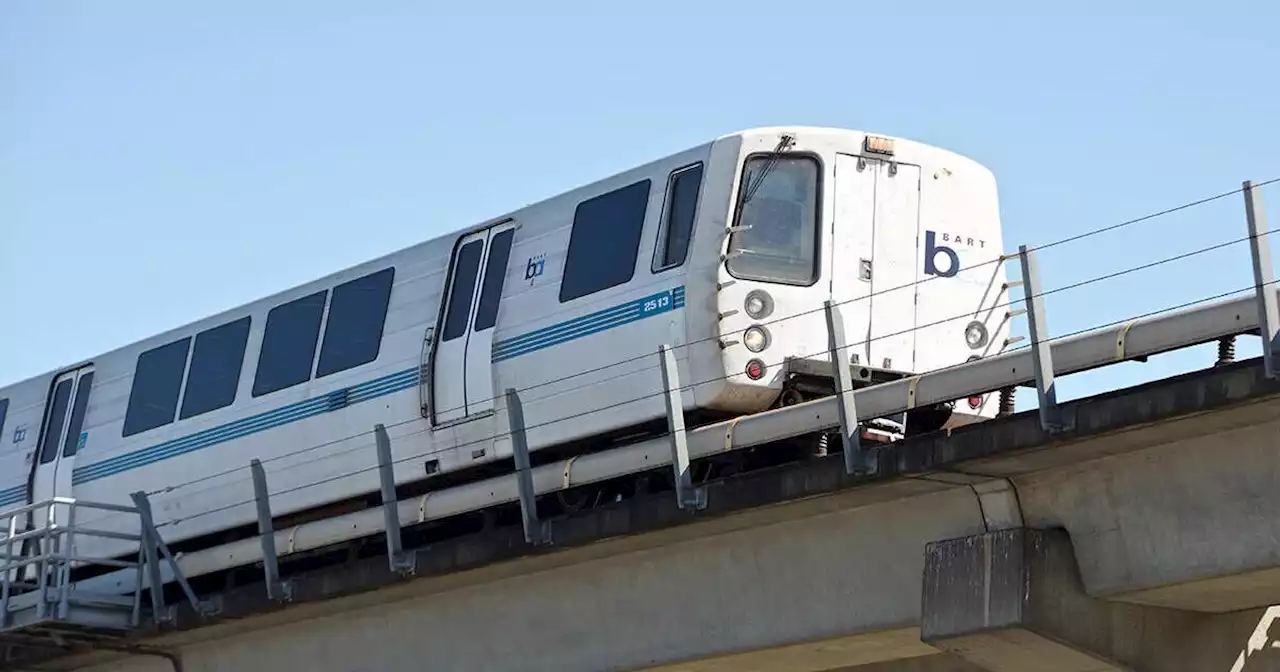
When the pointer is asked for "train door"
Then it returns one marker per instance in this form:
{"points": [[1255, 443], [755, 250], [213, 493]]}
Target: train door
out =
{"points": [[462, 367], [874, 245], [62, 435]]}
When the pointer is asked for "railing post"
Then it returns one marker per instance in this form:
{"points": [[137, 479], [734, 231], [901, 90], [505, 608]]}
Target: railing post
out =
{"points": [[266, 531], [1263, 278], [534, 532], [11, 574], [1041, 350], [150, 542], [143, 505], [687, 497], [396, 558], [45, 549], [64, 574], [856, 460]]}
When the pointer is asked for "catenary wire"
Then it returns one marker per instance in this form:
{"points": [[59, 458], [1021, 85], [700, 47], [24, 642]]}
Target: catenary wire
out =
{"points": [[500, 435], [666, 434], [999, 259], [868, 296]]}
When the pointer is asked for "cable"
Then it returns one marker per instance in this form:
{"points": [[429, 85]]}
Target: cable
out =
{"points": [[915, 283], [494, 437], [799, 314], [1153, 215], [665, 434]]}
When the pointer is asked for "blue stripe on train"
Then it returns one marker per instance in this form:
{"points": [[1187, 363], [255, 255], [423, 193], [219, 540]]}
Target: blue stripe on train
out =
{"points": [[14, 495], [556, 334], [603, 320]]}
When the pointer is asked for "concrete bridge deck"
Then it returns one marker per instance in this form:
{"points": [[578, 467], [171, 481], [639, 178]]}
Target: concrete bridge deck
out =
{"points": [[1146, 538]]}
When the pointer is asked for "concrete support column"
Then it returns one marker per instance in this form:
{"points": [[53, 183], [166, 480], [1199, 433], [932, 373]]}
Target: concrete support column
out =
{"points": [[1013, 600], [997, 600]]}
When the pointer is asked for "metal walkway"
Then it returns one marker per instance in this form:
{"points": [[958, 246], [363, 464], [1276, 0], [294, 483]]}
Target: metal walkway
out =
{"points": [[42, 609]]}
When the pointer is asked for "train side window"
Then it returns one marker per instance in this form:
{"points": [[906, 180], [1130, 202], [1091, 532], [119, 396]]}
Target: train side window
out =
{"points": [[289, 344], [216, 361], [464, 287], [605, 241], [677, 222], [495, 275], [357, 314], [4, 411], [57, 414], [71, 444], [157, 379]]}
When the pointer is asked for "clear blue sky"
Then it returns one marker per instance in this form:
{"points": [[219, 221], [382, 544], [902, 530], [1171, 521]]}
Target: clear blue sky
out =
{"points": [[161, 161]]}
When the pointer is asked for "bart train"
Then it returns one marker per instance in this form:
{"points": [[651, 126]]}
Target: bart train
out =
{"points": [[725, 251]]}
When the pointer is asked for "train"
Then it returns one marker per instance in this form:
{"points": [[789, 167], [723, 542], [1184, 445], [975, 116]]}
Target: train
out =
{"points": [[726, 253]]}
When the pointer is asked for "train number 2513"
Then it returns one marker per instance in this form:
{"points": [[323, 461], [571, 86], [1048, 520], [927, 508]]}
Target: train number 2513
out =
{"points": [[656, 303]]}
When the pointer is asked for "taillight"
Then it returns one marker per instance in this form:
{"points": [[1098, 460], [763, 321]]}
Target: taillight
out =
{"points": [[755, 369], [975, 401]]}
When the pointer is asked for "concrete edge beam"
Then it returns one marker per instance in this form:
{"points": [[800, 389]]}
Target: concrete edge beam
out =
{"points": [[1189, 394], [780, 494]]}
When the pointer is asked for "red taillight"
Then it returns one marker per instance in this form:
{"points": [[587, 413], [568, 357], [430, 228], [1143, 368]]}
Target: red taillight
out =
{"points": [[755, 369], [975, 401]]}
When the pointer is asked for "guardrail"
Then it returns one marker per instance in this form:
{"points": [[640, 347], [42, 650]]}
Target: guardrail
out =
{"points": [[1197, 322], [39, 553]]}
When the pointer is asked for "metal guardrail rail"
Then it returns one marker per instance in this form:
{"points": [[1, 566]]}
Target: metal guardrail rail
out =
{"points": [[42, 608], [1136, 339]]}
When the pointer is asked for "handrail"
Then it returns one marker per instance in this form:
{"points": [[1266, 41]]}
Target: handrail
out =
{"points": [[49, 583]]}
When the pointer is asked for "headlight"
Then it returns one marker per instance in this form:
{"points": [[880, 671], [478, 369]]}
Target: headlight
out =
{"points": [[975, 334], [758, 304], [756, 339]]}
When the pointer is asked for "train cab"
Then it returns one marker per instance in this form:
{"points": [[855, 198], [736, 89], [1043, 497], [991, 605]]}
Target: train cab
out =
{"points": [[902, 238]]}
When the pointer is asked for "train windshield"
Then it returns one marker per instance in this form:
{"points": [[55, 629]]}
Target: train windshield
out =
{"points": [[779, 201]]}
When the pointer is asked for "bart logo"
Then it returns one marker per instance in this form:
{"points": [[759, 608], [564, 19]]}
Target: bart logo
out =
{"points": [[931, 251], [534, 267]]}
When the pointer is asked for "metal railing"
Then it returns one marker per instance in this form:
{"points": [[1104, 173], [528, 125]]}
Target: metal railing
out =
{"points": [[39, 553]]}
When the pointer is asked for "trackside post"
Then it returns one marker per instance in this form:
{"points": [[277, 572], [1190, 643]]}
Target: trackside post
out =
{"points": [[1041, 353], [687, 497], [533, 530], [270, 563], [1263, 278], [396, 557], [856, 460]]}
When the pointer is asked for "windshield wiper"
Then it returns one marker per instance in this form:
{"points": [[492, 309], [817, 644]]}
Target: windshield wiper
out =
{"points": [[784, 144]]}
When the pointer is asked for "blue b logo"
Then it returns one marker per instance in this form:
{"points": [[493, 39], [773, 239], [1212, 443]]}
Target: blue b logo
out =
{"points": [[931, 251]]}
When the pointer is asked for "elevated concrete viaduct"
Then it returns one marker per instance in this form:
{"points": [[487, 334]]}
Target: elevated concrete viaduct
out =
{"points": [[1147, 537]]}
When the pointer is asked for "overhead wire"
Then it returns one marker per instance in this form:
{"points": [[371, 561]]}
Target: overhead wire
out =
{"points": [[683, 387], [666, 434], [1000, 259]]}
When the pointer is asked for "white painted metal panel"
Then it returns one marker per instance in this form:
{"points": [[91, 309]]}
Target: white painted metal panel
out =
{"points": [[897, 209], [960, 276], [853, 268]]}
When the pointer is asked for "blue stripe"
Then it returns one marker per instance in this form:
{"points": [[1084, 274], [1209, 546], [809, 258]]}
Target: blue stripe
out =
{"points": [[14, 495], [396, 382], [556, 334]]}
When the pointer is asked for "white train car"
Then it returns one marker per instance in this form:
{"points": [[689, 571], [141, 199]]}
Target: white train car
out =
{"points": [[725, 251]]}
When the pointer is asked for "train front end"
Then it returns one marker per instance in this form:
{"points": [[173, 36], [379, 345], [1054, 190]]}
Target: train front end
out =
{"points": [[903, 239]]}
